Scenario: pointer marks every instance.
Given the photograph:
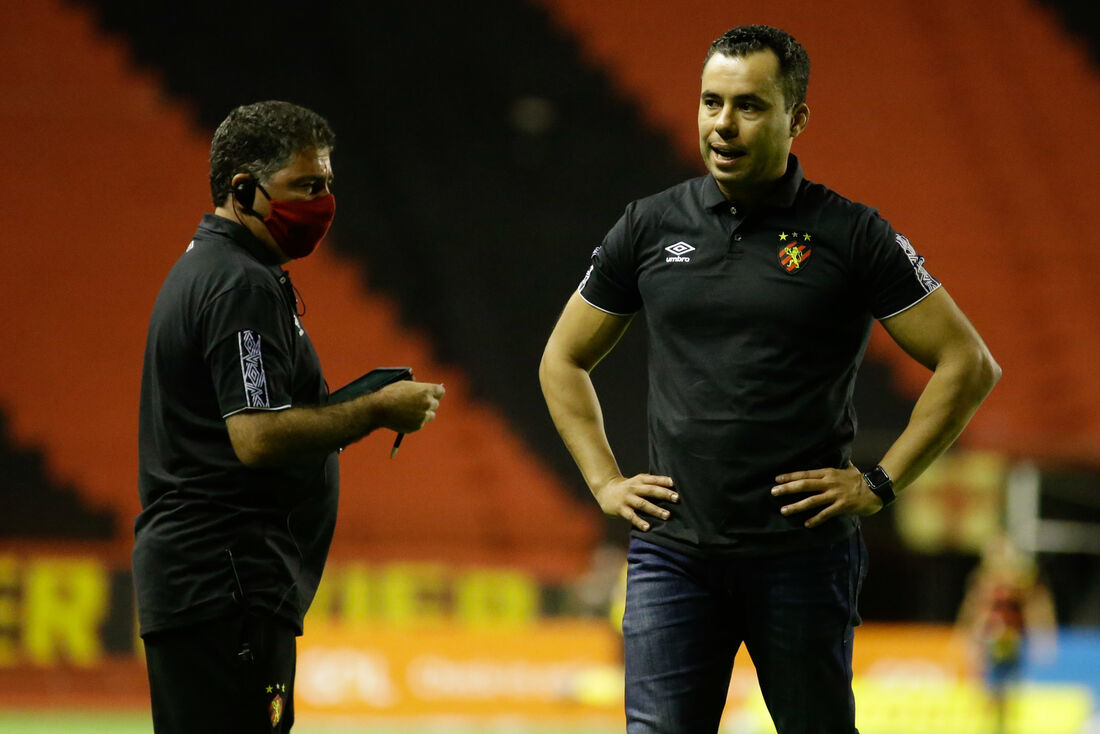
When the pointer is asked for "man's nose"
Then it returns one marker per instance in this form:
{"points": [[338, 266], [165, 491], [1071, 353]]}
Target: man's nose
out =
{"points": [[726, 122]]}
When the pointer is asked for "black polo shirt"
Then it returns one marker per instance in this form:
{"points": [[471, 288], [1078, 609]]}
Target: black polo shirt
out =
{"points": [[223, 338], [758, 320]]}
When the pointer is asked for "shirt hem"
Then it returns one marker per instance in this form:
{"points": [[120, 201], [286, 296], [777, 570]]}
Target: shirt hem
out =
{"points": [[253, 407], [215, 614], [756, 544]]}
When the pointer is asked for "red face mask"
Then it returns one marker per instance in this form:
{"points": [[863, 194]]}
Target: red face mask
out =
{"points": [[299, 225]]}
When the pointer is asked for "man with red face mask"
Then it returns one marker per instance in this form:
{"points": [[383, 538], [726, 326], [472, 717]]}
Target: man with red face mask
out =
{"points": [[238, 474]]}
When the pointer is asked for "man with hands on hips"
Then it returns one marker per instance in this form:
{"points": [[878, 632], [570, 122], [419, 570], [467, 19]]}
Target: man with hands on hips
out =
{"points": [[759, 289], [238, 473]]}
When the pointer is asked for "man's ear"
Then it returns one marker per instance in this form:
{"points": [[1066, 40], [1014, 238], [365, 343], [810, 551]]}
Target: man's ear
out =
{"points": [[244, 190], [800, 116]]}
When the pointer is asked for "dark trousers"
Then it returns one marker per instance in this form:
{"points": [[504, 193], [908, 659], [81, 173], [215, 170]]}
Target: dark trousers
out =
{"points": [[686, 618], [231, 676]]}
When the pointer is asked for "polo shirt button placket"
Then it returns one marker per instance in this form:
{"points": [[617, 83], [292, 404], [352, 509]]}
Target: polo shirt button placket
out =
{"points": [[735, 250]]}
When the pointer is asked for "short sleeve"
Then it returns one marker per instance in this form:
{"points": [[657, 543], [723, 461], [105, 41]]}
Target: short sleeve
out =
{"points": [[611, 283], [248, 343], [891, 272]]}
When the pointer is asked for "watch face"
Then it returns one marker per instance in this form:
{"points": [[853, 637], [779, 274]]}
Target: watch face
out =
{"points": [[877, 477]]}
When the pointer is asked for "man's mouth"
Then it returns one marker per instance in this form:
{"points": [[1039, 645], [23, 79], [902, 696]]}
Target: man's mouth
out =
{"points": [[724, 154]]}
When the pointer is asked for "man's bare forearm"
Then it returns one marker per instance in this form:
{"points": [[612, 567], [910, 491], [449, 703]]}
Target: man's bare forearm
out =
{"points": [[575, 409], [286, 436], [581, 338], [951, 397]]}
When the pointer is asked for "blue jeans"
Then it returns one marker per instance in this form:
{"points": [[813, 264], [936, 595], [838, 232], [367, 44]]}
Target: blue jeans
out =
{"points": [[686, 618]]}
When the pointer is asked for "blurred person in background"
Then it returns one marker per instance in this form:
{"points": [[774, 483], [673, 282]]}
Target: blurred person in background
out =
{"points": [[238, 474], [759, 289], [1006, 615]]}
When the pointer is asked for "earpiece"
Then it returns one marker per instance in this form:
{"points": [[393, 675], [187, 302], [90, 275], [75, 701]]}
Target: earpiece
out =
{"points": [[245, 193]]}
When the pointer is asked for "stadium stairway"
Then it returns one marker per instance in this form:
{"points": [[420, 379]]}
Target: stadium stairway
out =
{"points": [[106, 182]]}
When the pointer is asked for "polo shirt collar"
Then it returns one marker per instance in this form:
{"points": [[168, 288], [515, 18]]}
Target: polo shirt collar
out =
{"points": [[241, 236], [781, 194]]}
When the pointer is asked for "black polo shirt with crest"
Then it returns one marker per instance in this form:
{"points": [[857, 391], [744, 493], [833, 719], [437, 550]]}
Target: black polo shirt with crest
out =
{"points": [[758, 320], [216, 537]]}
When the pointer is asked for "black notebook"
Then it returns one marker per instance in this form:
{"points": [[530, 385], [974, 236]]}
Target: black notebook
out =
{"points": [[376, 379]]}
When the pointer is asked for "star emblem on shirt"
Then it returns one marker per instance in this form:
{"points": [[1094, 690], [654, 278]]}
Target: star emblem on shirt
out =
{"points": [[794, 237]]}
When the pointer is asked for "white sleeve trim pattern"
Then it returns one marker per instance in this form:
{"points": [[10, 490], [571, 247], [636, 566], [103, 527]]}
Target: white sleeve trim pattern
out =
{"points": [[252, 369], [599, 308], [265, 410], [927, 282], [914, 303]]}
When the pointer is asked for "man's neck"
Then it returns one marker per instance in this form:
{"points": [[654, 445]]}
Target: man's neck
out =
{"points": [[752, 196], [256, 227]]}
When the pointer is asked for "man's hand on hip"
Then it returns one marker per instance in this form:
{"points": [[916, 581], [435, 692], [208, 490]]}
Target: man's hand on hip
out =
{"points": [[835, 491], [627, 496]]}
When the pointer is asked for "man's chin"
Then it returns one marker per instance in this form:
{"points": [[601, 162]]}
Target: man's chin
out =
{"points": [[726, 176]]}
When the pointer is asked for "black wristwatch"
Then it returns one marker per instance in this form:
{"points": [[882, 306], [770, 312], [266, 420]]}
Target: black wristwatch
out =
{"points": [[879, 482]]}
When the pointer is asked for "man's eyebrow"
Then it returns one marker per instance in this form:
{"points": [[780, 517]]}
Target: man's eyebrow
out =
{"points": [[749, 97]]}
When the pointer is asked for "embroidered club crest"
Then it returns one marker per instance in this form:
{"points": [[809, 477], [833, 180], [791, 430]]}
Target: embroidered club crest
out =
{"points": [[275, 709], [794, 251]]}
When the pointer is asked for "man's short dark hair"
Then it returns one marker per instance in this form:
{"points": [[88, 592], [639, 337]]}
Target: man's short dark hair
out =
{"points": [[794, 62], [260, 139]]}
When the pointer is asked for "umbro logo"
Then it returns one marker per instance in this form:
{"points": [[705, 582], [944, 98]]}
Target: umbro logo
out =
{"points": [[679, 252]]}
